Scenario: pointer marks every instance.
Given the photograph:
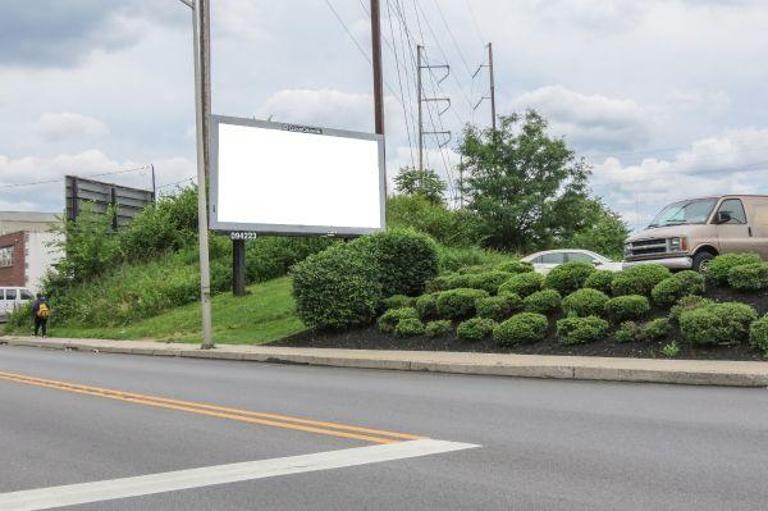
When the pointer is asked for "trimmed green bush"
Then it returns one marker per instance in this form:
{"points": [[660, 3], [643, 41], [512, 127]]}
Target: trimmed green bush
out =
{"points": [[458, 303], [687, 303], [497, 308], [405, 259], [585, 302], [487, 281], [626, 307], [639, 280], [671, 289], [475, 329], [580, 330], [749, 277], [440, 283], [657, 329], [426, 305], [758, 335], [397, 301], [600, 280], [439, 328], [475, 268], [721, 266], [409, 327], [543, 302], [628, 331], [568, 277], [717, 323], [389, 320], [522, 284], [515, 267], [336, 288], [521, 328]]}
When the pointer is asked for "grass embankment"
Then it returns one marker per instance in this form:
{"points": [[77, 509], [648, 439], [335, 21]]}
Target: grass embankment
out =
{"points": [[264, 315]]}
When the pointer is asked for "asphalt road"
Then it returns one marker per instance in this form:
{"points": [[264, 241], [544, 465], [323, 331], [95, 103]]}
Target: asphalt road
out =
{"points": [[545, 444]]}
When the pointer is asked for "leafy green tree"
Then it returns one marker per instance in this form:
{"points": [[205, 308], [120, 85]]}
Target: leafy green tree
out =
{"points": [[425, 183], [526, 187], [602, 230]]}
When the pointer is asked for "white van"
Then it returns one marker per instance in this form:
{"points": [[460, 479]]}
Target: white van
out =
{"points": [[12, 298]]}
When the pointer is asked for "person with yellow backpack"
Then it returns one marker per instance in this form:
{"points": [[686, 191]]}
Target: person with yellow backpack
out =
{"points": [[40, 311]]}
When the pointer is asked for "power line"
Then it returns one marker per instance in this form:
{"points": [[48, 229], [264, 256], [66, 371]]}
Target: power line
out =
{"points": [[453, 38], [472, 17], [58, 180], [399, 82]]}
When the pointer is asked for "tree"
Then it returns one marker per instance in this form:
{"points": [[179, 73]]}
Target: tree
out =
{"points": [[425, 183], [526, 187], [602, 230]]}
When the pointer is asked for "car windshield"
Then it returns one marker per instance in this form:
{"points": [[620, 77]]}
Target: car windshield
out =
{"points": [[685, 212]]}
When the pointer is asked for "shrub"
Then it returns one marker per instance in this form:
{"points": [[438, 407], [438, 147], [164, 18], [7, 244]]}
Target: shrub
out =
{"points": [[452, 259], [749, 277], [721, 266], [438, 328], [497, 307], [397, 301], [475, 329], [487, 281], [568, 277], [409, 327], [336, 288], [268, 257], [475, 268], [449, 226], [439, 283], [600, 280], [626, 307], [671, 350], [656, 329], [585, 302], [458, 303], [717, 323], [543, 302], [687, 303], [639, 280], [758, 335], [628, 331], [426, 305], [522, 284], [515, 267], [405, 259], [521, 328], [671, 289], [575, 330], [389, 320]]}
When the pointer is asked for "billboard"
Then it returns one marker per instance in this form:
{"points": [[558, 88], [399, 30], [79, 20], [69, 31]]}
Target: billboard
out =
{"points": [[276, 178], [126, 201]]}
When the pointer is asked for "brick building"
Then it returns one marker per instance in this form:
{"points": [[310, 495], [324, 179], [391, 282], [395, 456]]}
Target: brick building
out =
{"points": [[26, 251]]}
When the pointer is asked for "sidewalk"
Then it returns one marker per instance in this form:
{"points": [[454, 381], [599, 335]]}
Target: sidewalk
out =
{"points": [[690, 372]]}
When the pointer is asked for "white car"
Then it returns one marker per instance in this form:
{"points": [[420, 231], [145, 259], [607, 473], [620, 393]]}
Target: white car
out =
{"points": [[543, 262]]}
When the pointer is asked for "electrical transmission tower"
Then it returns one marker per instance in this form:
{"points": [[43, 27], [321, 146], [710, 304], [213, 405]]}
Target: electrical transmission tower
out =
{"points": [[420, 65], [492, 91]]}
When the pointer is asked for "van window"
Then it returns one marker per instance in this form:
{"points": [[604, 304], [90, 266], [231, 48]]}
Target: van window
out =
{"points": [[10, 294], [26, 295], [735, 209]]}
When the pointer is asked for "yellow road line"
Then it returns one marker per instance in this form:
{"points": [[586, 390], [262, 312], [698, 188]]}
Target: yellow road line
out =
{"points": [[247, 416]]}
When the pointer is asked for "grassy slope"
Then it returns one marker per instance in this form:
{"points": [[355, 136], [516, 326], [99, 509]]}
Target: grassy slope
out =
{"points": [[266, 314]]}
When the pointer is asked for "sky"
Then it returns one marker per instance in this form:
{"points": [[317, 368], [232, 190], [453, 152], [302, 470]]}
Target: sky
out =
{"points": [[666, 98]]}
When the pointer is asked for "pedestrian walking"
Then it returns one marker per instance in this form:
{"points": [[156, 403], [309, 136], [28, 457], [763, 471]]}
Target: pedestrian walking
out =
{"points": [[40, 312]]}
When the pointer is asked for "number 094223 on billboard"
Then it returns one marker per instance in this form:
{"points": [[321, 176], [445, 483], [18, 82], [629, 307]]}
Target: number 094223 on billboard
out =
{"points": [[278, 178]]}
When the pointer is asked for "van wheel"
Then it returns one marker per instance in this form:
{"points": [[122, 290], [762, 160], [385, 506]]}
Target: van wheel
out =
{"points": [[701, 261]]}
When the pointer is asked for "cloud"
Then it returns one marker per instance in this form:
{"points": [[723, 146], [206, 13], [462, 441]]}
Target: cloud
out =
{"points": [[58, 126], [589, 121]]}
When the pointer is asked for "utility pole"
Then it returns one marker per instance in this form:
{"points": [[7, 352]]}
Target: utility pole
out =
{"points": [[154, 182], [492, 96], [378, 80], [422, 99], [202, 49]]}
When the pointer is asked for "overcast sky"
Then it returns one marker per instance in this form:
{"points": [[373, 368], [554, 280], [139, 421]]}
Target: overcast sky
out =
{"points": [[667, 98]]}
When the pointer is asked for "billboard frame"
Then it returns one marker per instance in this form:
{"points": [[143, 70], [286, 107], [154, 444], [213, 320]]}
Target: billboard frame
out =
{"points": [[290, 229]]}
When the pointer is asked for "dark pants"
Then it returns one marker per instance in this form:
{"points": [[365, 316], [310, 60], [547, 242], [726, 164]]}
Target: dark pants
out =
{"points": [[41, 323]]}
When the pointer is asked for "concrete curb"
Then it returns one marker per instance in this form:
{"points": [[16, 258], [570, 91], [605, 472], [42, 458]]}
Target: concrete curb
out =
{"points": [[688, 372]]}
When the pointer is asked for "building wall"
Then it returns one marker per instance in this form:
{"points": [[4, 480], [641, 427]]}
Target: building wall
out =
{"points": [[15, 221], [40, 256], [13, 274]]}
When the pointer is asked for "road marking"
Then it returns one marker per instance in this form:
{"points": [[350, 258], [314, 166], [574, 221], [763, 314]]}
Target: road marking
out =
{"points": [[99, 491], [377, 436]]}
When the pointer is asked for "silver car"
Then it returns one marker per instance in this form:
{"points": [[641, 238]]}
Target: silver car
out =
{"points": [[543, 262]]}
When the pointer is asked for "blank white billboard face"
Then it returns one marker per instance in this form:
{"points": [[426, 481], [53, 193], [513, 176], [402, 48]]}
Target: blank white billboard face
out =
{"points": [[268, 177]]}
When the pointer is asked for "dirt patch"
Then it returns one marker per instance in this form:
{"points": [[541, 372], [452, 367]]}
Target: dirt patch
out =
{"points": [[370, 338]]}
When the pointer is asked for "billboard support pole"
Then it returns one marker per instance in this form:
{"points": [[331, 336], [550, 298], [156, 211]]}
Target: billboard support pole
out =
{"points": [[238, 267], [201, 44]]}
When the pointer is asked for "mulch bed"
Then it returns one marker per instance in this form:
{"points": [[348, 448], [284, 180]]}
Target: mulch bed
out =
{"points": [[371, 339]]}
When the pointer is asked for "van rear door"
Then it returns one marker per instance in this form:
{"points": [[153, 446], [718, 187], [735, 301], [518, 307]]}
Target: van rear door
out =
{"points": [[757, 208]]}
